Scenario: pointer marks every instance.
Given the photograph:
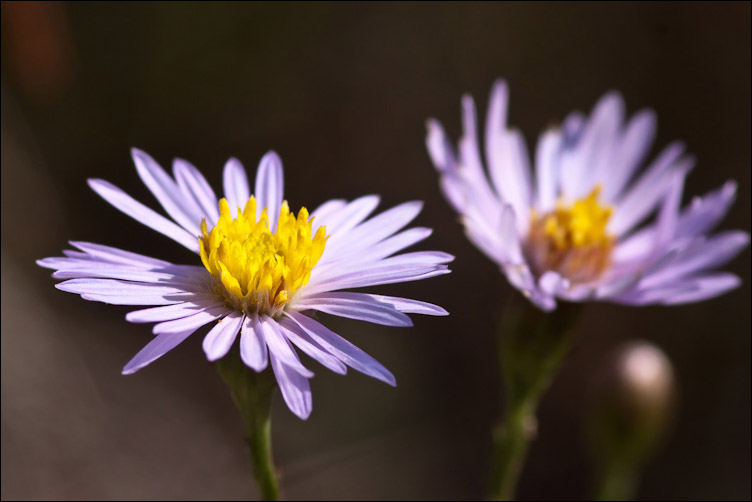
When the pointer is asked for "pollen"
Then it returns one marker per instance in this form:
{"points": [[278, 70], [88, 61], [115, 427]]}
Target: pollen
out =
{"points": [[253, 269], [572, 239]]}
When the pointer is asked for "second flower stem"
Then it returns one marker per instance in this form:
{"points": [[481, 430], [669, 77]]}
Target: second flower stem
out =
{"points": [[511, 440], [532, 346]]}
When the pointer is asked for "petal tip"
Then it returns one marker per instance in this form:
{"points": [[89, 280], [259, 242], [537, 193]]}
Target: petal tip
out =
{"points": [[441, 311], [129, 370], [500, 85], [303, 414], [271, 155], [233, 163]]}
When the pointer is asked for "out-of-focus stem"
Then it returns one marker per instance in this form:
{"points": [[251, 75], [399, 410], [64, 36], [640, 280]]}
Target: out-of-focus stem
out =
{"points": [[532, 346], [618, 482], [511, 440]]}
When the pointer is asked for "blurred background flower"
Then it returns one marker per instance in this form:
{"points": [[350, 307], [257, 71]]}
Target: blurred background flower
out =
{"points": [[566, 224], [345, 89]]}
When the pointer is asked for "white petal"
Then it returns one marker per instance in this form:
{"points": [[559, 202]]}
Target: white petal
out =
{"points": [[377, 228], [705, 287], [236, 185], [645, 193], [280, 348], [508, 234], [419, 258], [645, 196], [252, 346], [167, 192], [411, 306], [691, 290], [269, 188], [159, 346], [508, 162], [114, 255], [631, 150], [546, 169], [439, 147], [487, 242], [375, 275], [366, 261], [82, 265], [136, 299], [375, 252], [169, 335], [355, 306], [581, 161], [444, 159], [703, 255], [322, 213], [300, 338], [192, 322], [170, 312], [636, 247], [108, 271], [143, 214], [604, 131], [344, 350], [114, 287], [470, 168], [192, 183], [669, 213], [469, 148], [219, 339], [618, 285], [703, 214], [553, 283], [351, 215], [296, 391]]}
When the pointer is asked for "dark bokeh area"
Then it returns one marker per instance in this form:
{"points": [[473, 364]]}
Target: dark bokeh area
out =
{"points": [[342, 93]]}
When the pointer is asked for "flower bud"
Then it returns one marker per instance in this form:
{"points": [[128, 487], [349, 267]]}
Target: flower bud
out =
{"points": [[633, 403]]}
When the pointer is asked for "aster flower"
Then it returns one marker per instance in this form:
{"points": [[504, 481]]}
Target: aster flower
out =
{"points": [[263, 271], [572, 231]]}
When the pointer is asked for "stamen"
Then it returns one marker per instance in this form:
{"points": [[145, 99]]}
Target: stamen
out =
{"points": [[572, 240], [253, 269]]}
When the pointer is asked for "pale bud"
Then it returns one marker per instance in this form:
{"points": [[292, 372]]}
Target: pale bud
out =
{"points": [[634, 403]]}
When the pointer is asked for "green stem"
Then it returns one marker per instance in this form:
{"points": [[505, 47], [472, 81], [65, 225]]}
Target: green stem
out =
{"points": [[618, 482], [532, 347], [511, 440], [252, 393]]}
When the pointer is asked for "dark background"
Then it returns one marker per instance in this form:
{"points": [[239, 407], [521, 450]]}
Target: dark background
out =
{"points": [[342, 93]]}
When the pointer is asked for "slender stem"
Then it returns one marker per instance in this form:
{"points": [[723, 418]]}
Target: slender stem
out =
{"points": [[532, 346], [511, 440], [618, 482], [252, 393], [258, 430]]}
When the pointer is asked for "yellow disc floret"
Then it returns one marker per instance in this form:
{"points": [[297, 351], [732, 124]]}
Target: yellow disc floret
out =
{"points": [[572, 239], [255, 270]]}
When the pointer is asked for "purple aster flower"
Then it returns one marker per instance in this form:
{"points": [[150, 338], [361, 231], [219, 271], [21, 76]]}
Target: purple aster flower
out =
{"points": [[572, 231], [263, 271]]}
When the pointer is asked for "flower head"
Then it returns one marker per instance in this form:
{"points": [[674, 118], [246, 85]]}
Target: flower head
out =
{"points": [[263, 271], [572, 231]]}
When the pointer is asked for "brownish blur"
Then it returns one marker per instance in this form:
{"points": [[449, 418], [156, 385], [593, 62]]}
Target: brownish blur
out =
{"points": [[37, 49], [342, 93]]}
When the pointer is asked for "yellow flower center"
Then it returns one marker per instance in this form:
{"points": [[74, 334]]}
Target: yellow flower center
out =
{"points": [[255, 270], [572, 239]]}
